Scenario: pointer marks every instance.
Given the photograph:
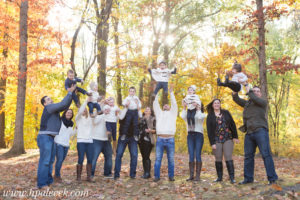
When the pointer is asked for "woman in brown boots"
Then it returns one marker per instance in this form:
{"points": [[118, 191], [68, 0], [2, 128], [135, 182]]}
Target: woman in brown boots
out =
{"points": [[194, 140]]}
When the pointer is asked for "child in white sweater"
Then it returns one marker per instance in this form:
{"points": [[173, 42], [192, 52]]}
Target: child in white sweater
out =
{"points": [[192, 100], [94, 98], [238, 80], [161, 75], [111, 118]]}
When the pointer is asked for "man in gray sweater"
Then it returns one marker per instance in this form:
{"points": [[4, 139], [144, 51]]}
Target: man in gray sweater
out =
{"points": [[50, 126], [257, 134]]}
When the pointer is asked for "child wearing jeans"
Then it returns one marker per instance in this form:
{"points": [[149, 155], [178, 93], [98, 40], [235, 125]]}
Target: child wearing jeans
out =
{"points": [[238, 79], [192, 100], [133, 104], [72, 80], [93, 100], [111, 120], [161, 76]]}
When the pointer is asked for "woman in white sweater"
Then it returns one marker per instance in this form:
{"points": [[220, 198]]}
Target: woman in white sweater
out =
{"points": [[84, 141], [195, 140], [62, 141]]}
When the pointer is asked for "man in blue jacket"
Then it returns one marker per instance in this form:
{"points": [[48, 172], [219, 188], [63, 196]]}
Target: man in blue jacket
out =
{"points": [[50, 126]]}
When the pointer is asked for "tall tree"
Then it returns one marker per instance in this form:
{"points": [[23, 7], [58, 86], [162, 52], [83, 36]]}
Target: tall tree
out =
{"points": [[18, 145], [102, 30]]}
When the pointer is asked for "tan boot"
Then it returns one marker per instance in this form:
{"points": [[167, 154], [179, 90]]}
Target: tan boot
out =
{"points": [[57, 179], [78, 171]]}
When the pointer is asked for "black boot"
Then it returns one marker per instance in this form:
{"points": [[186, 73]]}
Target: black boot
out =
{"points": [[144, 167], [219, 83], [198, 170], [78, 172], [219, 168], [147, 169], [230, 168], [191, 167]]}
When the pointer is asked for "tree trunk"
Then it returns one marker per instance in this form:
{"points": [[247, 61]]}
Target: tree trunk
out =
{"points": [[117, 52], [18, 145], [262, 49]]}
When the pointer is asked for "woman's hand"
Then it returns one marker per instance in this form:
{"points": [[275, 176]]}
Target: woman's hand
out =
{"points": [[214, 147], [236, 140]]}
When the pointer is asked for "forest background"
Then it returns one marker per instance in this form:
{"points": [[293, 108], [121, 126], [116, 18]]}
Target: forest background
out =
{"points": [[114, 42]]}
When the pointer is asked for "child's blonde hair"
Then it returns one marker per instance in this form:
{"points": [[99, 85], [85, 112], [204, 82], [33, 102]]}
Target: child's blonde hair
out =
{"points": [[93, 84]]}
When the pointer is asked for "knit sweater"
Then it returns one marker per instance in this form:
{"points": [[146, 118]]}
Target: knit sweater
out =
{"points": [[199, 119], [99, 128], [254, 114], [161, 75], [190, 99], [165, 120], [84, 124]]}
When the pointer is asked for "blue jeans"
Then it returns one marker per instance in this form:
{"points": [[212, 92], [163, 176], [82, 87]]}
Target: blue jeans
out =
{"points": [[75, 97], [47, 157], [162, 144], [133, 150], [112, 127], [61, 153], [132, 116], [160, 85], [259, 138], [106, 149], [92, 105], [195, 143], [85, 148]]}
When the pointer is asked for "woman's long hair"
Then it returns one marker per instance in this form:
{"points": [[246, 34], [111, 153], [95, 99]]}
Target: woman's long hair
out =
{"points": [[210, 108], [152, 112]]}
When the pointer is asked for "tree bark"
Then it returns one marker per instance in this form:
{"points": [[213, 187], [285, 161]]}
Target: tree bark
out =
{"points": [[262, 49], [18, 145]]}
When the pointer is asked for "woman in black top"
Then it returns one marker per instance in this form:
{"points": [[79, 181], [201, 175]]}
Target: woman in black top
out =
{"points": [[146, 141], [222, 134]]}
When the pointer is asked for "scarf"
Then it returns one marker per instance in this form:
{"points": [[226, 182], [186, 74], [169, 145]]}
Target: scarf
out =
{"points": [[67, 123]]}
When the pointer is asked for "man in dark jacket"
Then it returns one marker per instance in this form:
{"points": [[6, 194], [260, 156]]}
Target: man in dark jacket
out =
{"points": [[50, 126], [257, 134]]}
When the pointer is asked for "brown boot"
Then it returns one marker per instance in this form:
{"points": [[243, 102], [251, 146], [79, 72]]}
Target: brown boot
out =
{"points": [[89, 173], [57, 179], [191, 167], [79, 170], [198, 170]]}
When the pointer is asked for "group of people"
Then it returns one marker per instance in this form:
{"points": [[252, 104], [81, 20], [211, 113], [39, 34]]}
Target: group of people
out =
{"points": [[96, 128]]}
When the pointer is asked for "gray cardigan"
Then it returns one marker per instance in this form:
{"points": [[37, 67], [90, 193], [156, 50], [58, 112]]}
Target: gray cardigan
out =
{"points": [[254, 114]]}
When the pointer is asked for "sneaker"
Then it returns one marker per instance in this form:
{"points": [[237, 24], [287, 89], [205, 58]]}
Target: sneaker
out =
{"points": [[136, 138], [116, 178], [156, 179], [108, 176], [245, 182], [171, 179], [272, 182]]}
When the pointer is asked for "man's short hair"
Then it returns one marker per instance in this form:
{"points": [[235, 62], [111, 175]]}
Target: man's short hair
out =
{"points": [[70, 71], [255, 86], [132, 88], [43, 100], [162, 62]]}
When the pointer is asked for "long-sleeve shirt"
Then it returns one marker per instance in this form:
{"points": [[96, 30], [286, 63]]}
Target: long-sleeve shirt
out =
{"points": [[199, 119], [69, 82], [50, 120], [63, 138], [162, 75], [132, 105], [190, 99], [84, 125], [254, 114], [99, 128], [111, 116], [95, 96], [165, 120]]}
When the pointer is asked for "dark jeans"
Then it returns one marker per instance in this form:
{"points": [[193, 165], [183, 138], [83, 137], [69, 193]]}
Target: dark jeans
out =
{"points": [[92, 105], [162, 144], [145, 149], [133, 150], [75, 97], [106, 149], [234, 86], [191, 116], [160, 85], [259, 138], [112, 127], [85, 149], [47, 157], [195, 143], [132, 116], [61, 153]]}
